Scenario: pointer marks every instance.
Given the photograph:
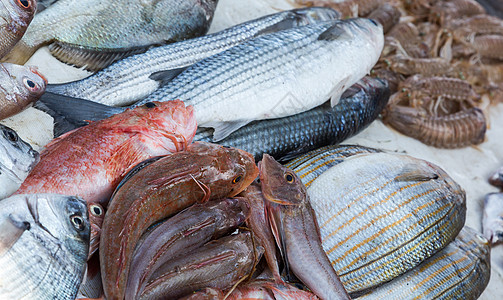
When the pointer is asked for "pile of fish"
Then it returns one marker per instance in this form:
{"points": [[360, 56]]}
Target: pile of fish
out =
{"points": [[152, 190]]}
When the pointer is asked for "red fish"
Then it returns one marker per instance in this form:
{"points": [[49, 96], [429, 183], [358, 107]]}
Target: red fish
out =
{"points": [[91, 161]]}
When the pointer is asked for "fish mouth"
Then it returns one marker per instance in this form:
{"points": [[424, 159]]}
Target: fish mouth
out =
{"points": [[266, 163]]}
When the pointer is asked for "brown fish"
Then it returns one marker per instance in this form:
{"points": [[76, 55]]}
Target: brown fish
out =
{"points": [[15, 16], [296, 230], [204, 172], [20, 86]]}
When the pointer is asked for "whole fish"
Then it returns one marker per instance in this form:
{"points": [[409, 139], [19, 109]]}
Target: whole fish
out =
{"points": [[381, 214], [181, 234], [91, 161], [20, 86], [276, 75], [94, 33], [269, 290], [497, 178], [135, 77], [15, 16], [320, 126], [296, 231], [459, 271], [160, 189], [492, 219], [218, 264], [17, 159], [44, 240]]}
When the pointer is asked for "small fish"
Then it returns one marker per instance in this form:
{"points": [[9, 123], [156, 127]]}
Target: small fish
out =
{"points": [[497, 178], [218, 264], [359, 106], [94, 34], [459, 271], [181, 234], [20, 86], [15, 16], [160, 189], [17, 159], [492, 220], [296, 231], [44, 242], [135, 77], [91, 161]]}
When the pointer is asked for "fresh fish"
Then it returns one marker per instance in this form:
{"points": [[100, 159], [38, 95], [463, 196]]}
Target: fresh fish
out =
{"points": [[218, 264], [296, 231], [17, 159], [459, 271], [91, 161], [96, 217], [320, 126], [276, 75], [492, 220], [44, 240], [269, 290], [135, 77], [497, 178], [95, 33], [181, 234], [160, 189], [15, 16], [20, 86], [381, 214]]}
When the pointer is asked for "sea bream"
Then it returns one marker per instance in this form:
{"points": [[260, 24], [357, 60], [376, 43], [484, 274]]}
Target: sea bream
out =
{"points": [[17, 159], [95, 33], [44, 241], [135, 77], [15, 16]]}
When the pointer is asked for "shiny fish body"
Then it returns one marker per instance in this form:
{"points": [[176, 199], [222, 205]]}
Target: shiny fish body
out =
{"points": [[17, 159], [459, 271], [44, 241], [20, 86], [276, 75], [114, 25], [312, 129], [382, 214], [492, 219], [15, 16], [128, 80]]}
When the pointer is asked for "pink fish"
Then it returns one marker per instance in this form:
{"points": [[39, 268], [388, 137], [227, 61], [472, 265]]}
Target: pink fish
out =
{"points": [[91, 161]]}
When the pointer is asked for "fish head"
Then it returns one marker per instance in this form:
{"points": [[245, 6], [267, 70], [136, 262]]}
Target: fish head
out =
{"points": [[18, 12], [312, 15], [280, 184], [17, 158], [96, 217], [233, 212], [25, 84], [369, 30]]}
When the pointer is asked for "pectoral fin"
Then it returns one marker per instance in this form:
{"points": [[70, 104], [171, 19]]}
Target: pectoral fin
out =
{"points": [[165, 76], [10, 232], [223, 129], [414, 173]]}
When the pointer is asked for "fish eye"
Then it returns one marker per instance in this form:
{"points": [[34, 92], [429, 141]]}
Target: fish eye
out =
{"points": [[289, 177], [96, 210], [31, 85], [10, 135], [237, 179], [150, 105], [78, 222], [24, 3]]}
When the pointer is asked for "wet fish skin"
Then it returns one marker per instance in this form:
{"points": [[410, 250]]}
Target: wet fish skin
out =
{"points": [[381, 214], [181, 234], [96, 217], [17, 159], [492, 218], [269, 290], [20, 86], [15, 16], [130, 80], [296, 231], [218, 264], [320, 126], [203, 172], [228, 90], [459, 271], [44, 243], [115, 27], [91, 161], [497, 178]]}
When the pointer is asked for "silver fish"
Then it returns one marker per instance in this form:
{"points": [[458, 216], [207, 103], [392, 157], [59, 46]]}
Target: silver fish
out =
{"points": [[381, 214], [135, 77], [459, 271], [20, 86], [17, 158], [276, 75], [95, 33], [15, 16], [44, 240], [492, 219]]}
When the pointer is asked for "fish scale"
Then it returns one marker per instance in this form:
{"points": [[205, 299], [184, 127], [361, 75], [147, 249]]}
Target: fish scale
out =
{"points": [[391, 211]]}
